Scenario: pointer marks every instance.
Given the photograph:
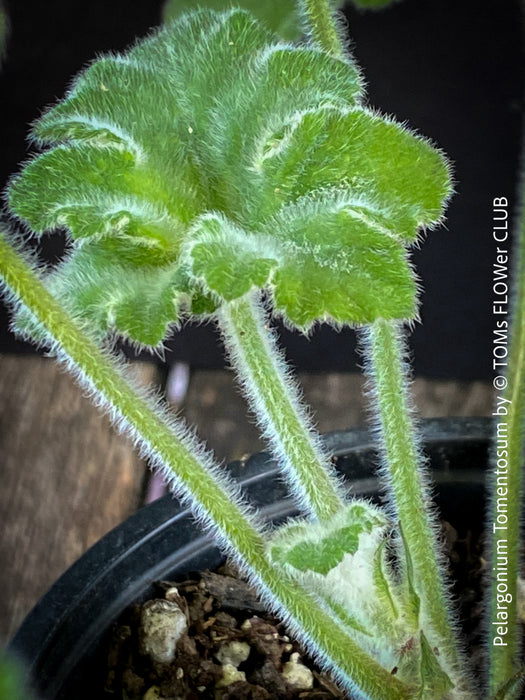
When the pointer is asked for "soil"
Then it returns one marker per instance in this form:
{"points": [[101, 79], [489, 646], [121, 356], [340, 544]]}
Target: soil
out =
{"points": [[230, 648]]}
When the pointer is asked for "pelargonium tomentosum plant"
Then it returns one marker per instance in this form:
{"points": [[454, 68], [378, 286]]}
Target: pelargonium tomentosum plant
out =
{"points": [[215, 171]]}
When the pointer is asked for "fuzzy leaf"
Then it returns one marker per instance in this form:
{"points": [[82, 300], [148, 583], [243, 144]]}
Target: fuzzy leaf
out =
{"points": [[227, 259], [321, 547], [281, 16], [397, 179], [325, 554], [337, 561], [138, 300], [212, 119], [278, 15], [337, 265], [97, 192]]}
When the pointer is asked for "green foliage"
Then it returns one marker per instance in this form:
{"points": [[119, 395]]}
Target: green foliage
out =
{"points": [[320, 549], [345, 563], [209, 160], [280, 16]]}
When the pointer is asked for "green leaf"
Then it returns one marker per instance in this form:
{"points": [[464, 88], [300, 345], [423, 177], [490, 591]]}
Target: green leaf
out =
{"points": [[321, 547], [285, 81], [97, 192], [337, 561], [278, 15], [212, 119], [227, 259], [325, 554], [338, 265], [281, 16], [398, 178], [141, 301]]}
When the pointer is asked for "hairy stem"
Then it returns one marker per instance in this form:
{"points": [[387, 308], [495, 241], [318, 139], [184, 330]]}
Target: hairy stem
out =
{"points": [[402, 468], [276, 402], [322, 26], [191, 473], [507, 488]]}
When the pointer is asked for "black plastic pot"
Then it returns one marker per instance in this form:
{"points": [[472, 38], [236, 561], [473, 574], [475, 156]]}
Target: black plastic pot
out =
{"points": [[62, 639]]}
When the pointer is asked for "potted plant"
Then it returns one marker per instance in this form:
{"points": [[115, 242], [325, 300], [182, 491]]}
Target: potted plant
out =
{"points": [[208, 165], [69, 636]]}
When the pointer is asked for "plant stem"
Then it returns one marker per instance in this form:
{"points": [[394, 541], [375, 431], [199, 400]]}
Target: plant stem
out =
{"points": [[402, 469], [507, 488], [191, 473], [276, 402], [399, 445], [323, 28]]}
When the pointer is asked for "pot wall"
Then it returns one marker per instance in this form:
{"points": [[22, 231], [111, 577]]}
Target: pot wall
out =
{"points": [[62, 639]]}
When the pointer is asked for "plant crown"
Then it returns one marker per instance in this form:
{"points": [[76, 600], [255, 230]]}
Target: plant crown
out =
{"points": [[210, 160]]}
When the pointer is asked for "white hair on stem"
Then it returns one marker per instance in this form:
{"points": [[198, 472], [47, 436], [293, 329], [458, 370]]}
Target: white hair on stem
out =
{"points": [[285, 422]]}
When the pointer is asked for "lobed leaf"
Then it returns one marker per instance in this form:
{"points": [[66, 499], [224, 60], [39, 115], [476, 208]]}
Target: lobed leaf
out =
{"points": [[400, 180], [139, 300], [97, 192], [227, 160], [338, 265]]}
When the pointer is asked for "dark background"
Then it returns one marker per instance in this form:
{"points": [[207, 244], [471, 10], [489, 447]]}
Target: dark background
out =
{"points": [[452, 70]]}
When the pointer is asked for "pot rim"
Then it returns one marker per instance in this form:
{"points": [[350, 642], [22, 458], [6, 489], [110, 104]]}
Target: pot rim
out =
{"points": [[44, 641]]}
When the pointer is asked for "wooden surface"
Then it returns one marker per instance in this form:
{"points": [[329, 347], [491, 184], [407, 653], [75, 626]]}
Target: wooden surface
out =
{"points": [[336, 399], [67, 478]]}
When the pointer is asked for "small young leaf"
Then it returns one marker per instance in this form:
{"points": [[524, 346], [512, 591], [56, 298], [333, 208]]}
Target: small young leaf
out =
{"points": [[325, 554], [321, 547], [337, 561]]}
